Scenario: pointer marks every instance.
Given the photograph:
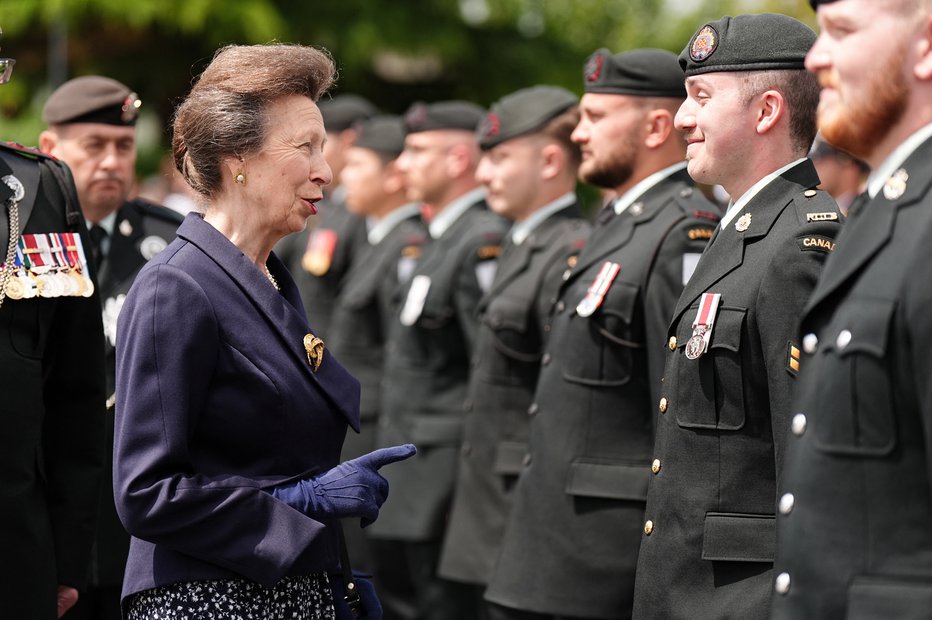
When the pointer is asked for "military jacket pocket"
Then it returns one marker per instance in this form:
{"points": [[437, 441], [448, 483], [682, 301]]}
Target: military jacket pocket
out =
{"points": [[854, 398], [510, 458], [886, 597], [438, 307], [738, 537], [710, 389], [29, 325], [517, 348], [609, 480], [604, 354]]}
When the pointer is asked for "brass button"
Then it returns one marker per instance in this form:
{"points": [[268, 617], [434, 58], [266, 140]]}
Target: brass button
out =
{"points": [[782, 583], [798, 425], [663, 405], [648, 527], [655, 466], [787, 501], [672, 343]]}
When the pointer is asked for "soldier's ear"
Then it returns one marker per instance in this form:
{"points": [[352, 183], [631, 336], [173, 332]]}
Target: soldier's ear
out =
{"points": [[659, 123], [554, 161], [771, 107], [923, 68], [48, 141]]}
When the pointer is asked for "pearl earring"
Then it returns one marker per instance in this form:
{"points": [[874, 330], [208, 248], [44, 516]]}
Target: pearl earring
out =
{"points": [[240, 178]]}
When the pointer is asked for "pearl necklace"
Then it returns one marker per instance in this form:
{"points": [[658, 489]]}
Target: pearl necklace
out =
{"points": [[272, 279]]}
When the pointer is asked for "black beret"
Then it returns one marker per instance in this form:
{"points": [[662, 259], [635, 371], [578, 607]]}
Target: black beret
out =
{"points": [[92, 99], [759, 42], [384, 134], [815, 3], [443, 115], [343, 111], [643, 73], [522, 112]]}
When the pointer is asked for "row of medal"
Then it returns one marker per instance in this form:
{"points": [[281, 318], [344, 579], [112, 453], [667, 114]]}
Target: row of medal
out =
{"points": [[49, 265]]}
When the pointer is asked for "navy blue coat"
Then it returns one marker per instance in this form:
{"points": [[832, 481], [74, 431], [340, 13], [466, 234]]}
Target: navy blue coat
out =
{"points": [[216, 401]]}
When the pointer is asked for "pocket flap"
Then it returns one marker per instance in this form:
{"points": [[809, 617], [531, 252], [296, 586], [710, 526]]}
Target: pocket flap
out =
{"points": [[732, 537], [505, 312], [609, 480], [509, 458], [887, 598], [726, 333], [621, 300], [870, 326], [433, 430]]}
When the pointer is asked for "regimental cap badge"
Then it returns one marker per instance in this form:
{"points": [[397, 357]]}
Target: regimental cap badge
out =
{"points": [[130, 108], [705, 44], [743, 223], [593, 68], [314, 347], [491, 126], [896, 185], [19, 192]]}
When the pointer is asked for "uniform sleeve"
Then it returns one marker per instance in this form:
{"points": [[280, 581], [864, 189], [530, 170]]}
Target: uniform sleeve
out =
{"points": [[167, 341], [790, 279]]}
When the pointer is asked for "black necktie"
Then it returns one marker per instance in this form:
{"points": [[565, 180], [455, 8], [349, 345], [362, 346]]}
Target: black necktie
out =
{"points": [[858, 203], [98, 234]]}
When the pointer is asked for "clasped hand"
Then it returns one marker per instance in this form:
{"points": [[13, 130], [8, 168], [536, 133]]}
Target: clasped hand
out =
{"points": [[351, 489]]}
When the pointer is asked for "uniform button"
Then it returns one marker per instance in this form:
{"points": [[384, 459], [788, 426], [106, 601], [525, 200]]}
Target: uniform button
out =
{"points": [[810, 342], [844, 337], [567, 274], [465, 449], [545, 359], [467, 405], [547, 328], [655, 466], [798, 425], [782, 583], [786, 503], [648, 527], [663, 405], [533, 409], [809, 193], [561, 306], [526, 460], [672, 343]]}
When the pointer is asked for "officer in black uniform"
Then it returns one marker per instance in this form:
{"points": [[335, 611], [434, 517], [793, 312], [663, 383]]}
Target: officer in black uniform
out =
{"points": [[431, 340], [855, 505], [733, 354], [528, 168], [92, 128], [321, 256], [52, 386], [570, 546]]}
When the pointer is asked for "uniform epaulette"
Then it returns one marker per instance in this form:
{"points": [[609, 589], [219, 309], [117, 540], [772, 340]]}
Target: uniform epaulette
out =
{"points": [[815, 205], [26, 151], [150, 209], [689, 198]]}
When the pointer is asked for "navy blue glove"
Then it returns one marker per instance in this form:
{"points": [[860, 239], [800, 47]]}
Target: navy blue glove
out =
{"points": [[351, 489]]}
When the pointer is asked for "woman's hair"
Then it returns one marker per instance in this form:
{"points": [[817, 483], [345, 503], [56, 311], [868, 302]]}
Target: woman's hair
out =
{"points": [[224, 114]]}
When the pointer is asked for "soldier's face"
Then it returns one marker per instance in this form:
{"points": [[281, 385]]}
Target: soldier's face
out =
{"points": [[102, 159], [363, 178], [512, 173], [425, 163], [609, 133], [864, 57], [717, 122]]}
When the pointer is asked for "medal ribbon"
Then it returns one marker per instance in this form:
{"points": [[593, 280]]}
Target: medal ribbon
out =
{"points": [[32, 248], [705, 317]]}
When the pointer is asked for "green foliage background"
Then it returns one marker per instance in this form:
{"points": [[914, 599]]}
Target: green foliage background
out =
{"points": [[391, 52]]}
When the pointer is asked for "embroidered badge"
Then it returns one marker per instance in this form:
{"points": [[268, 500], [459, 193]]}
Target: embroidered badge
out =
{"points": [[491, 126], [319, 254], [829, 216], [593, 68], [699, 233], [816, 243], [152, 245], [705, 44]]}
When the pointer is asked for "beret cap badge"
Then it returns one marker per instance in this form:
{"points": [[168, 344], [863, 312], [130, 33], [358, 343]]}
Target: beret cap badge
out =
{"points": [[704, 44], [491, 125], [593, 68]]}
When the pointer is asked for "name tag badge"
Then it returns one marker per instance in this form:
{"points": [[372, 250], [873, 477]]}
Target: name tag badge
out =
{"points": [[597, 290], [414, 303], [698, 343]]}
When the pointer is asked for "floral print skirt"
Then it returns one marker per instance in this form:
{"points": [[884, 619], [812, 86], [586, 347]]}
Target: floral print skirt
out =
{"points": [[293, 598]]}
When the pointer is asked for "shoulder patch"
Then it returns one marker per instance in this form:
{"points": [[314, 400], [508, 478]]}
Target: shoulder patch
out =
{"points": [[700, 232], [816, 243], [486, 252], [706, 215], [792, 358], [411, 251], [825, 216]]}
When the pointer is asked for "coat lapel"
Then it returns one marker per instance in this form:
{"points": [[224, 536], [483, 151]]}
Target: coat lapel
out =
{"points": [[123, 259]]}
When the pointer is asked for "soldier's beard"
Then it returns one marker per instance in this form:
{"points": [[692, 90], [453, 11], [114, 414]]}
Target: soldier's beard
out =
{"points": [[858, 126], [614, 171]]}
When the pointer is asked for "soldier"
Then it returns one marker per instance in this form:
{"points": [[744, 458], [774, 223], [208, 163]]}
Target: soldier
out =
{"points": [[52, 369], [431, 341], [841, 174], [853, 535], [92, 128], [732, 357], [320, 256], [529, 168], [570, 546]]}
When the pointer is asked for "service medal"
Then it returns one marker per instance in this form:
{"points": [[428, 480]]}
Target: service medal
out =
{"points": [[698, 343], [15, 288], [595, 295]]}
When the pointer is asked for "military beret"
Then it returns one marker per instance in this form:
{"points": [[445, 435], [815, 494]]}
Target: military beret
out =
{"points": [[442, 115], [343, 111], [815, 3], [384, 134], [522, 112], [760, 42], [642, 73], [92, 99]]}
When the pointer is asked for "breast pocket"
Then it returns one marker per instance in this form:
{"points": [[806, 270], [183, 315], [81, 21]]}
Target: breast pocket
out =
{"points": [[855, 392], [710, 389], [29, 325], [602, 346], [517, 347]]}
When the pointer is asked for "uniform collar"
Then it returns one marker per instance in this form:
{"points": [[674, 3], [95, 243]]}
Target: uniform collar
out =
{"points": [[452, 212], [382, 227], [749, 195], [895, 160], [107, 223], [630, 196], [522, 230]]}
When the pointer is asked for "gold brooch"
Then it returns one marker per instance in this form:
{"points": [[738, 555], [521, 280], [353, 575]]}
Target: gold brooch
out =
{"points": [[315, 350]]}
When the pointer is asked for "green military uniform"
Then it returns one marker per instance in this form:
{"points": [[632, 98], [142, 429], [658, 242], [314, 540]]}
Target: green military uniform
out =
{"points": [[570, 547], [853, 535], [52, 405], [515, 316], [708, 535]]}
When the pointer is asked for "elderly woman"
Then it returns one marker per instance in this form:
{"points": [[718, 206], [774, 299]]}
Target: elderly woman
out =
{"points": [[230, 412]]}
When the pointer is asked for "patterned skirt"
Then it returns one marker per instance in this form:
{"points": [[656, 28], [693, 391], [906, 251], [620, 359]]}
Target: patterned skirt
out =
{"points": [[293, 598]]}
